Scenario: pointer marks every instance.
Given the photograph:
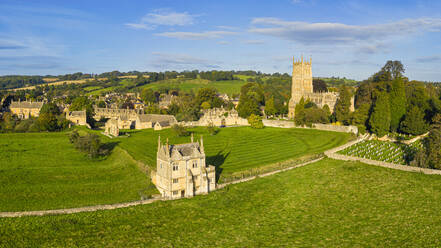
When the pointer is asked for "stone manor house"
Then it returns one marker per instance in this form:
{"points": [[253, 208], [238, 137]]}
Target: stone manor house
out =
{"points": [[181, 170], [302, 87], [26, 109]]}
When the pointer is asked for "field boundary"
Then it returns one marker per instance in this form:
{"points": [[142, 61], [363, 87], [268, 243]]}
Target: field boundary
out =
{"points": [[332, 153]]}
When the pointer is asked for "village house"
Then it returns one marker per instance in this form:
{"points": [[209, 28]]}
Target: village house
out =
{"points": [[77, 117], [158, 122], [25, 109], [221, 117], [181, 170], [111, 127]]}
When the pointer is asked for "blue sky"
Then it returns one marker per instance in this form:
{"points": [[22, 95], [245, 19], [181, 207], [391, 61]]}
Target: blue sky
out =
{"points": [[350, 39]]}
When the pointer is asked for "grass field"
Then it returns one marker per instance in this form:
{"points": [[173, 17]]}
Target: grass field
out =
{"points": [[44, 171], [239, 148], [327, 204], [229, 87]]}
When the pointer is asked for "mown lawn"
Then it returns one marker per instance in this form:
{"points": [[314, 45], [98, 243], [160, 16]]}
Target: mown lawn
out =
{"points": [[238, 148], [44, 171], [327, 204]]}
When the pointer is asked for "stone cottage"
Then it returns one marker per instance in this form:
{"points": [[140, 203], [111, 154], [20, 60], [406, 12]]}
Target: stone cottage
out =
{"points": [[77, 117], [111, 127], [158, 122], [181, 170], [26, 109]]}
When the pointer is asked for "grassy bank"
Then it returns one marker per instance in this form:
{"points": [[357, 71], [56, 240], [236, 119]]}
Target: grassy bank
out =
{"points": [[327, 204], [44, 171]]}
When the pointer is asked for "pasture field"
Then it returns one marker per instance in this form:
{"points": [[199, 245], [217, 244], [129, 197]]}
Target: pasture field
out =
{"points": [[236, 149], [228, 87], [330, 203], [44, 171], [390, 152]]}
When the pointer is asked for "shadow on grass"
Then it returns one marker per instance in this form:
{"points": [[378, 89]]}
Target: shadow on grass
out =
{"points": [[109, 146], [218, 160]]}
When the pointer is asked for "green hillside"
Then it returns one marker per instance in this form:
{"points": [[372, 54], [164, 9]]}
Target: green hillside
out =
{"points": [[327, 204]]}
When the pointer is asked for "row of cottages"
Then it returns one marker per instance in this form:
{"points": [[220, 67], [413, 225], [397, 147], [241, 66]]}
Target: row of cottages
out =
{"points": [[181, 170], [222, 117], [157, 122], [115, 113], [25, 109]]}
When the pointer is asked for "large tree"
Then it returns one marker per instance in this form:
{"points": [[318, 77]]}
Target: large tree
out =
{"points": [[397, 99], [414, 122], [390, 71], [433, 144], [343, 104], [379, 121]]}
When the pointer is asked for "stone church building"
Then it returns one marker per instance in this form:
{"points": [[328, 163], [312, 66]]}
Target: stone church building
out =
{"points": [[302, 87], [181, 170]]}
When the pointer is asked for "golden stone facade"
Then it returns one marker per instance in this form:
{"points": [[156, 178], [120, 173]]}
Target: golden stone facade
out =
{"points": [[181, 170], [302, 87]]}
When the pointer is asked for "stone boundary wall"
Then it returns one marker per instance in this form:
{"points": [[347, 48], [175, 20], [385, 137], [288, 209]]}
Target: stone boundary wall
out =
{"points": [[278, 123], [325, 127], [335, 128], [333, 154]]}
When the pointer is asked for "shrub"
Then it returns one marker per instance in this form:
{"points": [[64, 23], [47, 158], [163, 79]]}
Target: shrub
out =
{"points": [[255, 121], [211, 129], [180, 130], [89, 144]]}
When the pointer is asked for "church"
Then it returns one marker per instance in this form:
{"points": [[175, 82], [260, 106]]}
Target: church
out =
{"points": [[302, 87]]}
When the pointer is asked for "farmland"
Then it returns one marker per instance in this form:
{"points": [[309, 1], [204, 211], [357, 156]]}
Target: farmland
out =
{"points": [[228, 87], [44, 171], [326, 204]]}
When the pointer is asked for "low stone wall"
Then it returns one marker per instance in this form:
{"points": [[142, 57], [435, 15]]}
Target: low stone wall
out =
{"points": [[335, 128], [278, 123]]}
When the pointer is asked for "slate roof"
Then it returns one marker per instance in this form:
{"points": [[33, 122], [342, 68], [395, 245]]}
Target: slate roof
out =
{"points": [[184, 149], [26, 105], [162, 119]]}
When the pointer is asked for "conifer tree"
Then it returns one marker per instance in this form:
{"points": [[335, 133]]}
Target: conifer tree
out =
{"points": [[342, 106], [299, 117], [433, 144], [379, 121], [397, 99], [414, 122]]}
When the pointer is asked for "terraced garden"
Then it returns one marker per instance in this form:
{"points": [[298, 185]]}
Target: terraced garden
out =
{"points": [[397, 153], [239, 149], [330, 203]]}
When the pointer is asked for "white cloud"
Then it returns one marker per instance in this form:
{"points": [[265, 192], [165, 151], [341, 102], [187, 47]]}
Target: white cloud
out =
{"points": [[429, 59], [181, 61], [164, 18], [222, 42], [254, 42], [196, 35], [335, 33]]}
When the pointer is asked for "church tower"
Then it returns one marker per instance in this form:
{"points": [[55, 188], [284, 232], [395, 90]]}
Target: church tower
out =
{"points": [[301, 83]]}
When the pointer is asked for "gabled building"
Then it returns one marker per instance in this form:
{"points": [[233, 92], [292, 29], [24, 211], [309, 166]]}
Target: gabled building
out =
{"points": [[77, 117], [155, 121], [25, 109], [181, 170]]}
